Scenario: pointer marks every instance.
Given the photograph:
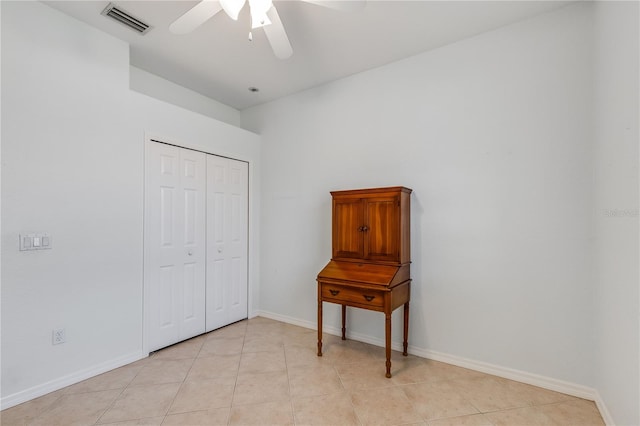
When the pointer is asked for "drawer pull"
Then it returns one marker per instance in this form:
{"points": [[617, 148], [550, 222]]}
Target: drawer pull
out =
{"points": [[334, 292], [369, 298]]}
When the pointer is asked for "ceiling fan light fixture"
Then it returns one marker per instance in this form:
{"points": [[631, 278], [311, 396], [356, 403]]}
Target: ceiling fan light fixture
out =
{"points": [[259, 9], [260, 21], [232, 7]]}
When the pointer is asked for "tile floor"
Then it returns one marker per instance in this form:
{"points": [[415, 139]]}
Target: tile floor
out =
{"points": [[265, 372]]}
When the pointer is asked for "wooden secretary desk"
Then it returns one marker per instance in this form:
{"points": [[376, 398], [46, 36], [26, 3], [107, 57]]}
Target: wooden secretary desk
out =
{"points": [[370, 261]]}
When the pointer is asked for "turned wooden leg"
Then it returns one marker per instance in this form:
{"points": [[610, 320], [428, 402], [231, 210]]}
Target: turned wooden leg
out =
{"points": [[344, 322], [319, 327], [387, 338], [406, 329]]}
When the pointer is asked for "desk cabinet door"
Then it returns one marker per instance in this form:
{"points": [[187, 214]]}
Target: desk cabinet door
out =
{"points": [[382, 224], [348, 234]]}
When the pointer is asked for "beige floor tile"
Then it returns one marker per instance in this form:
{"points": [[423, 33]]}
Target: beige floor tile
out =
{"points": [[311, 381], [237, 329], [297, 355], [487, 393], [349, 351], [215, 366], [217, 416], [149, 421], [140, 363], [23, 413], [203, 394], [295, 329], [534, 395], [299, 335], [383, 406], [259, 388], [114, 379], [77, 409], [578, 412], [303, 340], [224, 377], [363, 375], [183, 350], [270, 413], [265, 331], [472, 420], [221, 346], [432, 401], [413, 369], [163, 371], [140, 402], [328, 340], [333, 409], [529, 416], [262, 362], [264, 326], [262, 344]]}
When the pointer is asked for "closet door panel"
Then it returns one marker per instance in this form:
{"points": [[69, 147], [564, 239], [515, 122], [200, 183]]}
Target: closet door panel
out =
{"points": [[193, 181], [238, 239], [175, 270], [227, 222]]}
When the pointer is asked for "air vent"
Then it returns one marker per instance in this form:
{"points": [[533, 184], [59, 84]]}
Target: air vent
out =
{"points": [[114, 12]]}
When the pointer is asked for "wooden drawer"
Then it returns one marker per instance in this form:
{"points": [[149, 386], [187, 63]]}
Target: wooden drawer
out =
{"points": [[354, 295]]}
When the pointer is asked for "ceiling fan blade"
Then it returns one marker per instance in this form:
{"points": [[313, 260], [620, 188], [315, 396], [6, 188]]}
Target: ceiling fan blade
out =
{"points": [[277, 36], [341, 5], [195, 17]]}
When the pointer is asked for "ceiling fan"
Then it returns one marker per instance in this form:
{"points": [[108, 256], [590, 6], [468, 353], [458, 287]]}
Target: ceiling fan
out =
{"points": [[263, 15]]}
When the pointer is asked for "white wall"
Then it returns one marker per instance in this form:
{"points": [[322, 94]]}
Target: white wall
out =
{"points": [[493, 134], [72, 165], [165, 90], [617, 314]]}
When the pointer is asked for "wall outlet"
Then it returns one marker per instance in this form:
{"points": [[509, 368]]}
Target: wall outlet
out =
{"points": [[59, 336]]}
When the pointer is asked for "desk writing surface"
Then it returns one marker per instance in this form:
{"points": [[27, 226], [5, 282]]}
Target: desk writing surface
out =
{"points": [[364, 273]]}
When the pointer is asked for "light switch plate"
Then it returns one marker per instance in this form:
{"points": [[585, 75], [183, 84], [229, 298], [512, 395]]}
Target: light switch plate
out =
{"points": [[35, 241]]}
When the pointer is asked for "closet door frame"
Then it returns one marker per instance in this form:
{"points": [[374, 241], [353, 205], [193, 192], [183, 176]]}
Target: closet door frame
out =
{"points": [[251, 252]]}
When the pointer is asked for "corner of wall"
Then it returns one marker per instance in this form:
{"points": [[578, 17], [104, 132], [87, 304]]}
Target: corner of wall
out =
{"points": [[149, 84]]}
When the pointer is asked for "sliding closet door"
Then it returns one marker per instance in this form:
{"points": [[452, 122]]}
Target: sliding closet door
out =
{"points": [[227, 227], [175, 244]]}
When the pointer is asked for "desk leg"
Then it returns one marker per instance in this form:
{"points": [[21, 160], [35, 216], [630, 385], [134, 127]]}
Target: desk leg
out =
{"points": [[387, 338], [406, 329], [344, 322], [319, 326]]}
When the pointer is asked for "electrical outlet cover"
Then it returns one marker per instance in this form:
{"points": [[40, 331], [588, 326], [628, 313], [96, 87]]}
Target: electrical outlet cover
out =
{"points": [[59, 336]]}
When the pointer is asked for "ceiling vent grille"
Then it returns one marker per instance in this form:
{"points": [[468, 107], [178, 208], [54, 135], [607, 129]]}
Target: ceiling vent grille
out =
{"points": [[112, 11]]}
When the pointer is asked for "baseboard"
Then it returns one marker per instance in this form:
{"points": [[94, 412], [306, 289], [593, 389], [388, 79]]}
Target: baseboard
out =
{"points": [[70, 379], [512, 374], [496, 370], [604, 411], [288, 320]]}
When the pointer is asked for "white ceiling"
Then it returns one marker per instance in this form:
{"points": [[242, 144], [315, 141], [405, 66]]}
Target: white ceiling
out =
{"points": [[218, 61]]}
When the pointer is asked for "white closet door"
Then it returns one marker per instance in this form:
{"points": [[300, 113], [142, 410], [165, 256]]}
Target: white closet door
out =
{"points": [[227, 228], [175, 206]]}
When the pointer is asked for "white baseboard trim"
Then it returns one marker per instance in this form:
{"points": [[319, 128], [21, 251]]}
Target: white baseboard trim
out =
{"points": [[70, 379], [288, 320], [604, 411], [561, 386]]}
